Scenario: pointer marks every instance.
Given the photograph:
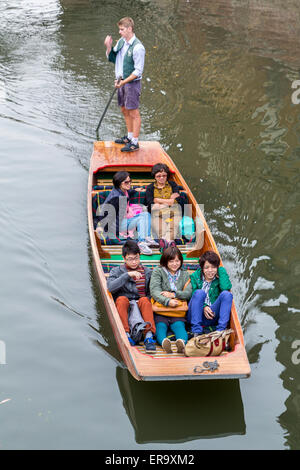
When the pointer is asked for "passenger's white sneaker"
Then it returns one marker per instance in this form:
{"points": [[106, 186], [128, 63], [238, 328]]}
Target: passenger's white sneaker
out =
{"points": [[151, 242], [167, 346], [180, 344], [145, 250]]}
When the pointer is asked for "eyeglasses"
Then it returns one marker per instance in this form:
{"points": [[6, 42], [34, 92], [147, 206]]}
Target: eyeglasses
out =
{"points": [[132, 258], [127, 182], [161, 176]]}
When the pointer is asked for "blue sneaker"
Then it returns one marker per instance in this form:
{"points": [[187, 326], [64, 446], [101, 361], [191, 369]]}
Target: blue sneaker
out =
{"points": [[149, 344], [131, 342]]}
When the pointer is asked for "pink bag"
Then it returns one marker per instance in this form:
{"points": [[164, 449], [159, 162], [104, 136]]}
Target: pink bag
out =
{"points": [[133, 209]]}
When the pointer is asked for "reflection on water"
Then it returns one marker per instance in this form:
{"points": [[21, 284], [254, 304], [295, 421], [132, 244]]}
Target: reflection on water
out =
{"points": [[217, 94], [106, 341], [181, 411]]}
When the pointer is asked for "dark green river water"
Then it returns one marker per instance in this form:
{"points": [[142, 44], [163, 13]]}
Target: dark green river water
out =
{"points": [[217, 94]]}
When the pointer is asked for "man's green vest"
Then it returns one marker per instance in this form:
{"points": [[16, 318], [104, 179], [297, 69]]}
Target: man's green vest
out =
{"points": [[128, 63]]}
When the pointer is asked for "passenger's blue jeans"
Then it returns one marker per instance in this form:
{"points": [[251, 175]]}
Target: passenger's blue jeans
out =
{"points": [[178, 328], [221, 308], [141, 222]]}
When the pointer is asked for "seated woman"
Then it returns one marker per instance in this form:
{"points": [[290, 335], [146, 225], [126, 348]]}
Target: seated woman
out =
{"points": [[165, 204], [118, 217], [211, 301], [168, 285]]}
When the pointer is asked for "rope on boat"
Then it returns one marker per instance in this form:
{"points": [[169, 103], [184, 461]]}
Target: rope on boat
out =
{"points": [[206, 366]]}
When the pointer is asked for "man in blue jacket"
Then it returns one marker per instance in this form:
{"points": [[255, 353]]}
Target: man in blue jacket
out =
{"points": [[128, 56]]}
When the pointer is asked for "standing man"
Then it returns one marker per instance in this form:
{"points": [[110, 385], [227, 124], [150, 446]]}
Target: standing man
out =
{"points": [[128, 56]]}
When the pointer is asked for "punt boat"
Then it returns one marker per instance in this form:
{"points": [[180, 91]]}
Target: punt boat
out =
{"points": [[107, 159]]}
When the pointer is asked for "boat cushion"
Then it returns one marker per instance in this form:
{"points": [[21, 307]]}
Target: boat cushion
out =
{"points": [[117, 241], [107, 266], [138, 197], [108, 187]]}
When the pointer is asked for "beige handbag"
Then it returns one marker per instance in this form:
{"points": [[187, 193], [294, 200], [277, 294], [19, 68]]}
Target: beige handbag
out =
{"points": [[210, 344]]}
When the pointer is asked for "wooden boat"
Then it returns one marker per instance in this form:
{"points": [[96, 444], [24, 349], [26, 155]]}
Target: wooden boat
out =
{"points": [[106, 159]]}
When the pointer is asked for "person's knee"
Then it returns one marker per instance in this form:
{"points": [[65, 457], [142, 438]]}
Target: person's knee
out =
{"points": [[144, 301], [226, 295], [122, 300], [134, 113], [199, 293], [146, 217]]}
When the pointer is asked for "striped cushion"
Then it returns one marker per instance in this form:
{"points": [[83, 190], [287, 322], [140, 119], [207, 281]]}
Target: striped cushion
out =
{"points": [[109, 187], [118, 241], [137, 198], [107, 266]]}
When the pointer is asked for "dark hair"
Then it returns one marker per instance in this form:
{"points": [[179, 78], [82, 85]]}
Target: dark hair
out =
{"points": [[119, 177], [211, 257], [170, 253], [130, 248], [160, 167]]}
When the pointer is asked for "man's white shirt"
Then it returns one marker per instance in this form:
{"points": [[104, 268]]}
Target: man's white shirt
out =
{"points": [[138, 58]]}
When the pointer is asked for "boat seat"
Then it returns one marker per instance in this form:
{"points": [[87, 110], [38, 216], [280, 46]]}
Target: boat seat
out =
{"points": [[109, 187], [99, 197], [136, 183], [108, 266]]}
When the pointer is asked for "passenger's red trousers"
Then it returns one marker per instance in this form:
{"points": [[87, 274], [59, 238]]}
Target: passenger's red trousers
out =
{"points": [[145, 306]]}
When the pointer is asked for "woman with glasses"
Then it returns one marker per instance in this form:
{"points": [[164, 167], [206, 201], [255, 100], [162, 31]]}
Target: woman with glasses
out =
{"points": [[166, 204], [210, 305], [118, 218]]}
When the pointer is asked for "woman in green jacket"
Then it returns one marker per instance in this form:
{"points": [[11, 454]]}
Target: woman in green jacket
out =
{"points": [[168, 285], [211, 301]]}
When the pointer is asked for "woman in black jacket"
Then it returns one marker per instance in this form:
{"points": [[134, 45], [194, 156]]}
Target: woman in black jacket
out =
{"points": [[166, 204], [117, 218]]}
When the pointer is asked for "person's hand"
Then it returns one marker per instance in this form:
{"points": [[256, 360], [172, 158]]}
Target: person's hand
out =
{"points": [[134, 274], [156, 206], [99, 231], [173, 303], [170, 295], [209, 314], [118, 83], [175, 195], [170, 201], [108, 42]]}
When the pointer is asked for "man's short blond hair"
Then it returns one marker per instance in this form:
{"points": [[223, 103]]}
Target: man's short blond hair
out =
{"points": [[127, 22]]}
